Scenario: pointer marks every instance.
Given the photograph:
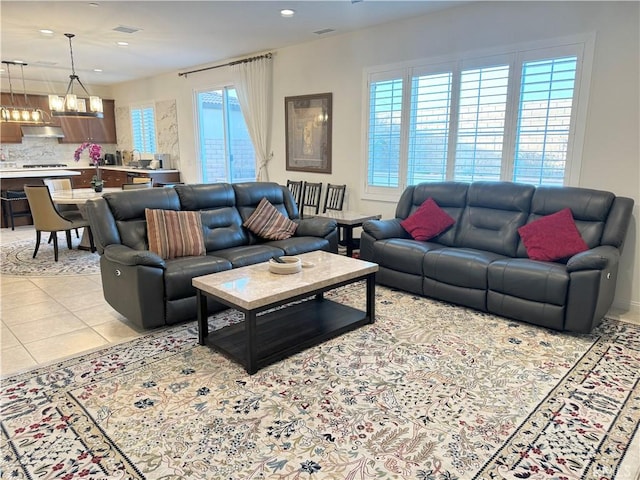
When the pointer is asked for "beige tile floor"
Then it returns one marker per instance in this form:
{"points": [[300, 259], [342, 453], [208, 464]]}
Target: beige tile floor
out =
{"points": [[45, 319]]}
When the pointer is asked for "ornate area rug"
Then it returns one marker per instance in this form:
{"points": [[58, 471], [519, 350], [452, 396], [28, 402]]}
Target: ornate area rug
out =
{"points": [[430, 392], [15, 258]]}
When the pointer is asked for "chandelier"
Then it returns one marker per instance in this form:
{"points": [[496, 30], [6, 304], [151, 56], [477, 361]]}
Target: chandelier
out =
{"points": [[19, 114], [70, 105]]}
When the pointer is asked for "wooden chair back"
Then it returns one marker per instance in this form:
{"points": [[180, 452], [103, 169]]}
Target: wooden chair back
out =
{"points": [[311, 197], [295, 187], [334, 197]]}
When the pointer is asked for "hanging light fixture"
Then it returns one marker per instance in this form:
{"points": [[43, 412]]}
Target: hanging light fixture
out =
{"points": [[14, 114], [70, 105]]}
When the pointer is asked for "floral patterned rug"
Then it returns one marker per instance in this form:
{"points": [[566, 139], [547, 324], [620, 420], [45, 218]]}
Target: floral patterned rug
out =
{"points": [[430, 392], [16, 258]]}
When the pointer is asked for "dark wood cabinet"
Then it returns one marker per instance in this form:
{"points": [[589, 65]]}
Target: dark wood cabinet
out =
{"points": [[76, 129], [84, 179], [94, 130], [113, 178], [10, 132]]}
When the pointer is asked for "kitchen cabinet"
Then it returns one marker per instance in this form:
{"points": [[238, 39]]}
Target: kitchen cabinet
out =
{"points": [[84, 179], [76, 129], [113, 178], [10, 132], [87, 129]]}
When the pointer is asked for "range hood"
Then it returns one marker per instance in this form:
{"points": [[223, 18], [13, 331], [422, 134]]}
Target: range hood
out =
{"points": [[41, 131]]}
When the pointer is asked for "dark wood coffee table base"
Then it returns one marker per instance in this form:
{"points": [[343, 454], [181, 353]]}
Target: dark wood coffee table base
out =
{"points": [[263, 339]]}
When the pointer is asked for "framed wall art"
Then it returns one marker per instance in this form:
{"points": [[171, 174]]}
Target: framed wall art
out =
{"points": [[308, 121]]}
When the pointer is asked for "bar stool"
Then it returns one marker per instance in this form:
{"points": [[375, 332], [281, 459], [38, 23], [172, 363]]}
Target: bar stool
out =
{"points": [[8, 197]]}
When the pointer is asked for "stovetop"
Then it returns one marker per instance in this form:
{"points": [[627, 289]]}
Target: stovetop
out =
{"points": [[45, 165]]}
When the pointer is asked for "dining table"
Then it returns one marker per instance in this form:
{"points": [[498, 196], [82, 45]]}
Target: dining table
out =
{"points": [[79, 196]]}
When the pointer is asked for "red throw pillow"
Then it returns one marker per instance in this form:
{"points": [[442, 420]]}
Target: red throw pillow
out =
{"points": [[552, 237], [427, 221]]}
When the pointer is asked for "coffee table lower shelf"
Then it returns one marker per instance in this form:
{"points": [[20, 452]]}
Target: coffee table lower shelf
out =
{"points": [[281, 333]]}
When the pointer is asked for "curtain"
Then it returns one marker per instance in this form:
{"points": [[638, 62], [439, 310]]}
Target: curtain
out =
{"points": [[253, 84]]}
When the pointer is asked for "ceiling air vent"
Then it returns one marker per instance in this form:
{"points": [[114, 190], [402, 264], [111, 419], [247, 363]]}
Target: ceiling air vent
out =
{"points": [[125, 29], [323, 31]]}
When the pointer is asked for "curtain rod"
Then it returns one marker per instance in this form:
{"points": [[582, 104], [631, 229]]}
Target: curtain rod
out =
{"points": [[235, 62]]}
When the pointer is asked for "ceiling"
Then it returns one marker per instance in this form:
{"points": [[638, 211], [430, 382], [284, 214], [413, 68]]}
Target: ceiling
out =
{"points": [[172, 35]]}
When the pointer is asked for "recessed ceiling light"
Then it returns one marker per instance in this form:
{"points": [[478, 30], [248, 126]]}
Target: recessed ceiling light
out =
{"points": [[122, 44], [287, 12], [97, 70], [46, 31], [94, 4]]}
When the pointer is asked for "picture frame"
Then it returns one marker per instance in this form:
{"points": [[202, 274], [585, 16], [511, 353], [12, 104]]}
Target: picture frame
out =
{"points": [[308, 122]]}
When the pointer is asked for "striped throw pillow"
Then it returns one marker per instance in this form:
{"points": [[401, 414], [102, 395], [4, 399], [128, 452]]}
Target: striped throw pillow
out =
{"points": [[267, 222], [173, 234]]}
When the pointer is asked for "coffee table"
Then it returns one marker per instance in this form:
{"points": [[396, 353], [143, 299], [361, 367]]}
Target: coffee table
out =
{"points": [[305, 318]]}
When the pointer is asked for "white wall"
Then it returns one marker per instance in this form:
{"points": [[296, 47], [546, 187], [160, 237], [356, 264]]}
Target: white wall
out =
{"points": [[611, 149]]}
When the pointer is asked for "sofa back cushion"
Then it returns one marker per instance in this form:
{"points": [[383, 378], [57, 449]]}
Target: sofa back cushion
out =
{"points": [[221, 220], [494, 212], [450, 197], [249, 195], [589, 208], [128, 206]]}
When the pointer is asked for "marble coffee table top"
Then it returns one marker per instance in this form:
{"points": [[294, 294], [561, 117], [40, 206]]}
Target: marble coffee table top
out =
{"points": [[255, 286]]}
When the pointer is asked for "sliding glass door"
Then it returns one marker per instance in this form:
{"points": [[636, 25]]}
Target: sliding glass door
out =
{"points": [[226, 150]]}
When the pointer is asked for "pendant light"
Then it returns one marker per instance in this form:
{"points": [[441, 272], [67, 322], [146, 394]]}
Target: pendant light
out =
{"points": [[24, 114], [70, 105]]}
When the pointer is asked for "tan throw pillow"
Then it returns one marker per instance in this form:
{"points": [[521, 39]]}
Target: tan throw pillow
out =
{"points": [[267, 222], [173, 234]]}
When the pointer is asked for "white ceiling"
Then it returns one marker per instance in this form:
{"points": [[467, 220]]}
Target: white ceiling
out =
{"points": [[173, 35]]}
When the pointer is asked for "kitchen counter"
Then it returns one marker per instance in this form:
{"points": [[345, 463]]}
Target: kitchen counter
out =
{"points": [[7, 173], [123, 168]]}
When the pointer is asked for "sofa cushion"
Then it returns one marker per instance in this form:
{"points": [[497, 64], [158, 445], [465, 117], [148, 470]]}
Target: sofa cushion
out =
{"points": [[248, 254], [450, 197], [174, 234], [428, 221], [179, 272], [553, 237], [462, 267], [267, 222], [494, 212], [403, 255], [297, 245]]}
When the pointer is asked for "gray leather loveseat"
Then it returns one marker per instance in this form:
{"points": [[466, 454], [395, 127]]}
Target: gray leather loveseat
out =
{"points": [[151, 291], [481, 262]]}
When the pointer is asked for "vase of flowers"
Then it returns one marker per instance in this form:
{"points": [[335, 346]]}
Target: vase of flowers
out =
{"points": [[94, 157]]}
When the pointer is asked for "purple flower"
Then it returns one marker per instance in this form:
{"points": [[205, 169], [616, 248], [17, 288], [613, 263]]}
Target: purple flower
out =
{"points": [[94, 152]]}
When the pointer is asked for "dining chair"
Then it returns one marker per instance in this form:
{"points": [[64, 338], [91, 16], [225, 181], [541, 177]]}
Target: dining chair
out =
{"points": [[47, 219], [311, 197], [136, 186], [58, 185], [334, 197], [295, 187]]}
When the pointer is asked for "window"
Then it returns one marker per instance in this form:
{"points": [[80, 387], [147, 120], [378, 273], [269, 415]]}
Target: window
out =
{"points": [[509, 117], [226, 149], [143, 127]]}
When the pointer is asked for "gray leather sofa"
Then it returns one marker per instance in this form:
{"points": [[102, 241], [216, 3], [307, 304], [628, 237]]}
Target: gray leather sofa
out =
{"points": [[152, 292], [481, 262]]}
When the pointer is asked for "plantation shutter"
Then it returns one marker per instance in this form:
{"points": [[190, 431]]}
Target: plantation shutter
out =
{"points": [[384, 136], [544, 120], [481, 123], [429, 128]]}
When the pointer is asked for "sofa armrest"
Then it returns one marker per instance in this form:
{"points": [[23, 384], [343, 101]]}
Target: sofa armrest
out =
{"points": [[128, 256], [597, 258], [381, 229], [315, 227]]}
